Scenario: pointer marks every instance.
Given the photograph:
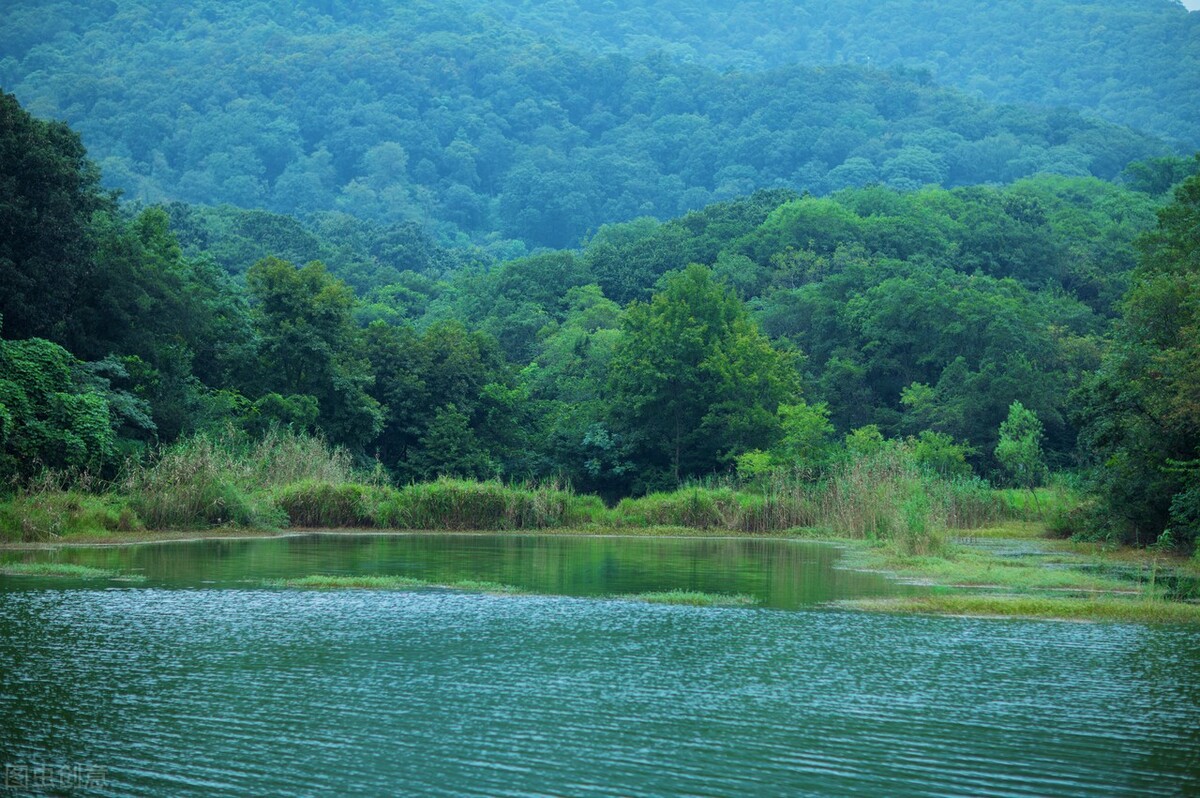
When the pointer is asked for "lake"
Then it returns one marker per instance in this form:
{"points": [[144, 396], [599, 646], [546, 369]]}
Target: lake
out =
{"points": [[200, 680]]}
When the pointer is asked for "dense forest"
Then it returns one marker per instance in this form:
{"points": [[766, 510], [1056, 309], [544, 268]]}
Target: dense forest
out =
{"points": [[477, 123], [762, 333], [1131, 62]]}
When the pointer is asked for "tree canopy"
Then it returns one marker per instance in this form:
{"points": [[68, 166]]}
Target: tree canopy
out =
{"points": [[468, 117]]}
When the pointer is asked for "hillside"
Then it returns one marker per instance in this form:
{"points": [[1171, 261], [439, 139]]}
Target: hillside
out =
{"points": [[483, 129]]}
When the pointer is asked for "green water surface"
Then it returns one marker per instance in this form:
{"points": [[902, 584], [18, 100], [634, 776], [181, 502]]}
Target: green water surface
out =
{"points": [[199, 680]]}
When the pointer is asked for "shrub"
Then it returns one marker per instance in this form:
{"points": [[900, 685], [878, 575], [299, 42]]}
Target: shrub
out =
{"points": [[44, 513], [323, 504], [464, 504]]}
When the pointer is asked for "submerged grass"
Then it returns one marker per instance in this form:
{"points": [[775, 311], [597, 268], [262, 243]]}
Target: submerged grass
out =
{"points": [[69, 570], [964, 567], [386, 582], [692, 598], [1099, 608]]}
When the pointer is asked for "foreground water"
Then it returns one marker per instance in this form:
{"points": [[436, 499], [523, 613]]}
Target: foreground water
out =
{"points": [[199, 681]]}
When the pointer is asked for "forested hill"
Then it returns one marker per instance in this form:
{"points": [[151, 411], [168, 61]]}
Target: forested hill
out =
{"points": [[477, 127], [751, 334], [1135, 62]]}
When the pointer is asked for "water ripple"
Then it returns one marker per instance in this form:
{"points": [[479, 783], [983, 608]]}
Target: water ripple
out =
{"points": [[201, 692]]}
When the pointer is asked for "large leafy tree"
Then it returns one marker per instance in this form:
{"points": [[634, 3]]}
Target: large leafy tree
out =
{"points": [[694, 381], [309, 346], [1019, 450], [49, 191], [1142, 409], [58, 413]]}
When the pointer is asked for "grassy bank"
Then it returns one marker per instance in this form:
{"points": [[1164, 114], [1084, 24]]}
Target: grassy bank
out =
{"points": [[290, 481], [893, 516]]}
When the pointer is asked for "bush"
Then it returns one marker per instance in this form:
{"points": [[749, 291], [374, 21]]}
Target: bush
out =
{"points": [[196, 483], [464, 504], [45, 513], [323, 504]]}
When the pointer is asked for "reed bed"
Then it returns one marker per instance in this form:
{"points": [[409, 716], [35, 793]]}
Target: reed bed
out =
{"points": [[292, 480]]}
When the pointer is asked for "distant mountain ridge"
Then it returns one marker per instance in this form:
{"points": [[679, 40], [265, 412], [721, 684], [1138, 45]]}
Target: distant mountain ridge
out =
{"points": [[468, 120]]}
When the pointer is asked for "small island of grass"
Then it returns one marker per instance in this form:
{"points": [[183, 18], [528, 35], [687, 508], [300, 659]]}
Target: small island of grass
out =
{"points": [[66, 570], [692, 598], [386, 582]]}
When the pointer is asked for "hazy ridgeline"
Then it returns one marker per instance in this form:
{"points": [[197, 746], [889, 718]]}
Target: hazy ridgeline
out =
{"points": [[515, 126]]}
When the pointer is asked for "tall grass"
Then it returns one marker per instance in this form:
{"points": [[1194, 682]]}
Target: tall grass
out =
{"points": [[777, 507], [886, 495], [58, 504], [463, 504], [211, 480], [286, 479], [198, 482], [312, 503]]}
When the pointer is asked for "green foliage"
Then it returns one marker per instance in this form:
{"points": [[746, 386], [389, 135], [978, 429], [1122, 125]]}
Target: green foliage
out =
{"points": [[1019, 451], [50, 420], [806, 440], [1141, 411], [309, 346], [863, 441], [481, 118], [695, 382], [938, 452], [448, 401], [449, 447], [752, 466], [49, 191]]}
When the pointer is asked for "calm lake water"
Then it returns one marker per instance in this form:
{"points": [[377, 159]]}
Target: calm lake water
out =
{"points": [[199, 681]]}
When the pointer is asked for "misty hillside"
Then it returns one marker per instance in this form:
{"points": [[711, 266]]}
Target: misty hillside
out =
{"points": [[482, 125]]}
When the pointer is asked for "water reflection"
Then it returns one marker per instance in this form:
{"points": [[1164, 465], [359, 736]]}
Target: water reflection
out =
{"points": [[781, 574]]}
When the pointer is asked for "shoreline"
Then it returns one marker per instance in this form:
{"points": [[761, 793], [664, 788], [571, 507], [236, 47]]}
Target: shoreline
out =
{"points": [[234, 533], [1046, 579]]}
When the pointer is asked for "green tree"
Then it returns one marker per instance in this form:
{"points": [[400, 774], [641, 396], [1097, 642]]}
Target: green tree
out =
{"points": [[806, 440], [53, 414], [449, 447], [1141, 410], [309, 345], [1019, 450], [49, 191], [694, 381]]}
